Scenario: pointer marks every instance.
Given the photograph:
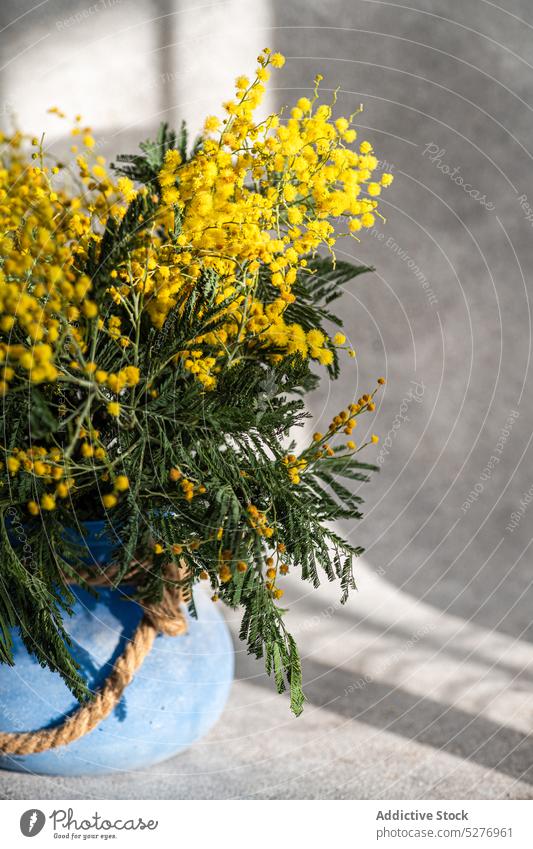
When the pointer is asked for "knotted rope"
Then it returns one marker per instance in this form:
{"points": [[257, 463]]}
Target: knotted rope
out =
{"points": [[165, 617]]}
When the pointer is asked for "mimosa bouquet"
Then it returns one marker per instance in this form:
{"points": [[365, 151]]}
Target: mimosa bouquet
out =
{"points": [[159, 324]]}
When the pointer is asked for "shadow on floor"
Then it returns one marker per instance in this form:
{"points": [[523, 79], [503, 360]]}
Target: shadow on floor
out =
{"points": [[388, 708]]}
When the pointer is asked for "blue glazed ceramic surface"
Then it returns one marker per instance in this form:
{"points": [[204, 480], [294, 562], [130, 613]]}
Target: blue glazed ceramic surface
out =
{"points": [[176, 696]]}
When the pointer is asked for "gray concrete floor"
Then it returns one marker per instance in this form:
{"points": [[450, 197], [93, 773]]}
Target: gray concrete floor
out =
{"points": [[447, 709]]}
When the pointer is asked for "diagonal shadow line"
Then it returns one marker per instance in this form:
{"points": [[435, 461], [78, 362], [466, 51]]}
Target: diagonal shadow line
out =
{"points": [[446, 728], [473, 654]]}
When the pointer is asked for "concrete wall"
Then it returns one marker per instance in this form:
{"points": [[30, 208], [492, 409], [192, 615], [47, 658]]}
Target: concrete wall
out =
{"points": [[126, 65]]}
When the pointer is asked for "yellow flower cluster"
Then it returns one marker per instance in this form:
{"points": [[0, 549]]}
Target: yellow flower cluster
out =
{"points": [[225, 573], [345, 421], [259, 522], [260, 194], [120, 484], [295, 465], [47, 465], [45, 231], [128, 376], [188, 488], [38, 461], [53, 468], [272, 574], [257, 197]]}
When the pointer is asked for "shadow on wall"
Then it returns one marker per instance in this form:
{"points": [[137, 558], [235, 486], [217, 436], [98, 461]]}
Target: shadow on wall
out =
{"points": [[126, 65]]}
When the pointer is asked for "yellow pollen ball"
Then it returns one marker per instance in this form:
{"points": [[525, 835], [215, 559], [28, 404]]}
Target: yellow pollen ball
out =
{"points": [[113, 408], [48, 502], [277, 60]]}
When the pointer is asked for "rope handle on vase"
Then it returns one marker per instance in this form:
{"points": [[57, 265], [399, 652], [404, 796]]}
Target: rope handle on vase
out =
{"points": [[164, 617]]}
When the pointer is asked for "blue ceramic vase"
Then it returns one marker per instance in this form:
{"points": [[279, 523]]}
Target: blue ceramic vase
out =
{"points": [[176, 696]]}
